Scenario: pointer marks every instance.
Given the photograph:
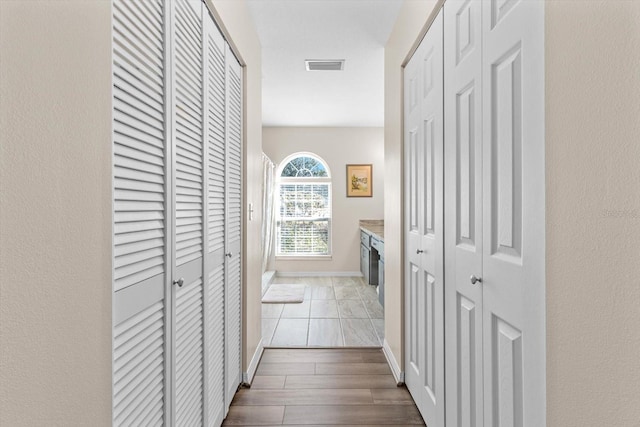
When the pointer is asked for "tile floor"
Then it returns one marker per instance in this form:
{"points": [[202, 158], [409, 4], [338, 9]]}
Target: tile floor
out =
{"points": [[336, 312]]}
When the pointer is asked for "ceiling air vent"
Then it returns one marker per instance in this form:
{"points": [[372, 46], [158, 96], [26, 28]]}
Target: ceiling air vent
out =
{"points": [[324, 64]]}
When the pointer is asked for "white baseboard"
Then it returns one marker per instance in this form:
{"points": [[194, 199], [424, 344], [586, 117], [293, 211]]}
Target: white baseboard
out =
{"points": [[393, 363], [247, 377], [318, 273]]}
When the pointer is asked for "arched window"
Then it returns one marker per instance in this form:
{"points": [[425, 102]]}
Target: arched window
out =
{"points": [[304, 208]]}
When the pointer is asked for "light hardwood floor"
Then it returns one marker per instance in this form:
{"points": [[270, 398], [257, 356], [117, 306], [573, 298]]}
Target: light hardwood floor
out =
{"points": [[322, 387]]}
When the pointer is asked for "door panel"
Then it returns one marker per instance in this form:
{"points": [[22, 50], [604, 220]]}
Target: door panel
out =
{"points": [[513, 218], [424, 234], [233, 223], [414, 320], [430, 337], [413, 311], [138, 145], [140, 223], [214, 125], [188, 211], [463, 209], [189, 355], [139, 356]]}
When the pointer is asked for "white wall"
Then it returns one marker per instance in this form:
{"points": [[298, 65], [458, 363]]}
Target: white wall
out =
{"points": [[338, 147], [55, 214]]}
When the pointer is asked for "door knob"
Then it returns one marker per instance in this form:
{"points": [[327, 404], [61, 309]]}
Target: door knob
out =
{"points": [[229, 254], [475, 279], [179, 282], [419, 251]]}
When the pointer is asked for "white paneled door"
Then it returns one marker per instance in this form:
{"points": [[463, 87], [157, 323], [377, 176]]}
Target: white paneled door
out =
{"points": [[513, 213], [463, 211], [494, 198], [424, 233], [177, 132]]}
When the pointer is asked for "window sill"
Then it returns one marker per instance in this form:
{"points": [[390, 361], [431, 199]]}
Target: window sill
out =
{"points": [[304, 257]]}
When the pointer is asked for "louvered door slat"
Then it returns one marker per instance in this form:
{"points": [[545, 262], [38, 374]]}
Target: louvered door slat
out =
{"points": [[137, 66], [135, 25], [127, 121], [140, 107], [128, 148], [122, 79], [123, 133], [144, 18]]}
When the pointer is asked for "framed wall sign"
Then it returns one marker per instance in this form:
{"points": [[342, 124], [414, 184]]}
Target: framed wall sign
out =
{"points": [[359, 180]]}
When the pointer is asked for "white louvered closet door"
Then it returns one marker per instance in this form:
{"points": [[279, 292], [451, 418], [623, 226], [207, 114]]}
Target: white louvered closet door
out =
{"points": [[177, 142], [188, 202], [214, 66], [233, 241], [139, 190]]}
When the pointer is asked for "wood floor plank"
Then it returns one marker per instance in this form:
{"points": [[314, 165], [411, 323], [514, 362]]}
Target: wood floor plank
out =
{"points": [[305, 355], [357, 415], [376, 356], [339, 381], [323, 387], [267, 382], [391, 396], [254, 415], [303, 397], [270, 369], [352, 369]]}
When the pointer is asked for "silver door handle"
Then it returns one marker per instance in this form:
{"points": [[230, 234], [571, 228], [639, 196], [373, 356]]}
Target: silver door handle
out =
{"points": [[475, 279], [179, 282], [229, 254], [419, 251]]}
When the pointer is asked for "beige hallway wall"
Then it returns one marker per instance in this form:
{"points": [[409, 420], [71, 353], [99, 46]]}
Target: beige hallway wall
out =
{"points": [[55, 213], [338, 147], [593, 213]]}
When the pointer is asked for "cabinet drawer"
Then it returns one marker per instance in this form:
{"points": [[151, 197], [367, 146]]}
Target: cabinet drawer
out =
{"points": [[365, 239], [377, 243]]}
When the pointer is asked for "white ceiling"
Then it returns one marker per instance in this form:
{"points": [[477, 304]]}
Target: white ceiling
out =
{"points": [[291, 31]]}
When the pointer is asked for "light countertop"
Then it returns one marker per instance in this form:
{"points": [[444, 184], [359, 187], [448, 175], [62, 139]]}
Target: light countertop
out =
{"points": [[374, 227]]}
